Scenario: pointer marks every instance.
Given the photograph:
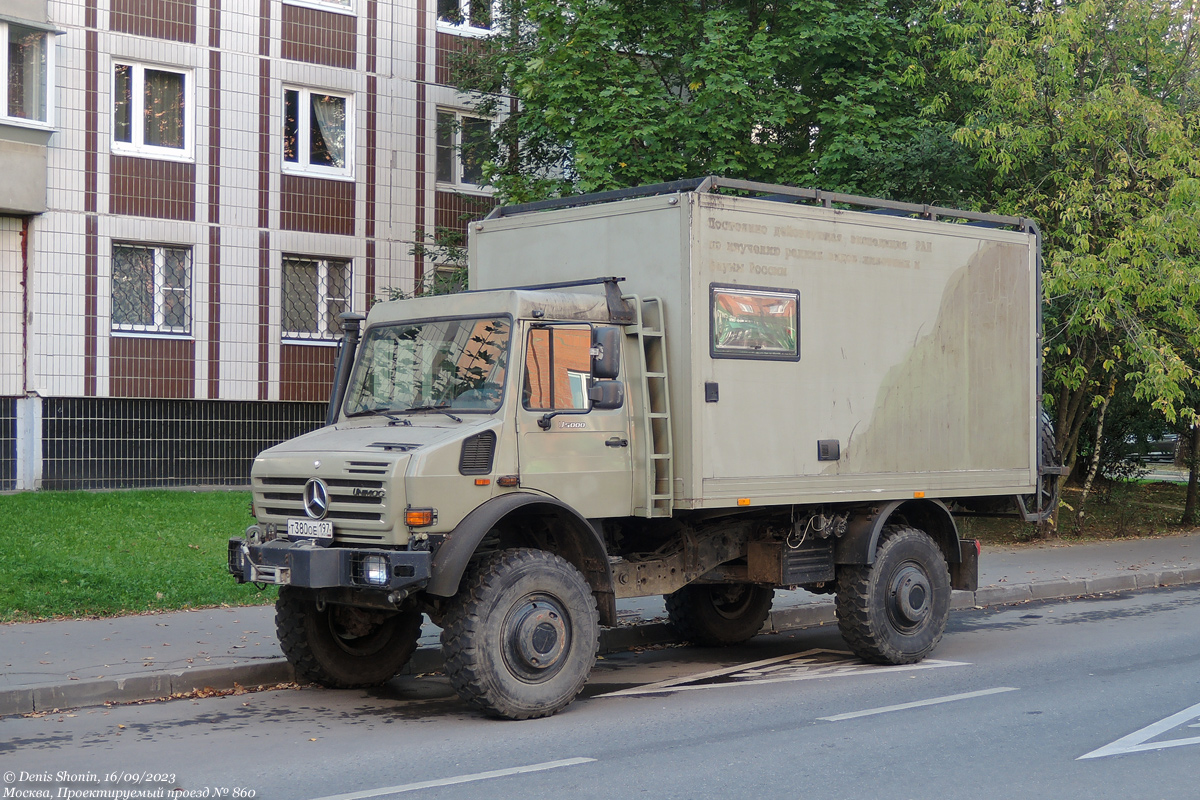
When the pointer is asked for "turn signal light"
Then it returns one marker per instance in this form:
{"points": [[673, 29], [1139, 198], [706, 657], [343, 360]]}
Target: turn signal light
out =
{"points": [[508, 481], [419, 517], [483, 481]]}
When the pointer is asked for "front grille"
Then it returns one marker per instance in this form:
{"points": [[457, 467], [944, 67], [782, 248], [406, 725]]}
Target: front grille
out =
{"points": [[350, 499], [477, 454]]}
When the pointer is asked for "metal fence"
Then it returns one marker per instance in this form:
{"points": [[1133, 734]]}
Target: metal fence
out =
{"points": [[8, 443], [106, 443]]}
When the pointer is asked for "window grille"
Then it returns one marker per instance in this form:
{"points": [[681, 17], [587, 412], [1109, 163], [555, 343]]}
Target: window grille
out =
{"points": [[315, 292], [151, 289]]}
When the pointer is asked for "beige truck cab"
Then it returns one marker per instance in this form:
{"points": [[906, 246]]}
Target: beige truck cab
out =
{"points": [[783, 388]]}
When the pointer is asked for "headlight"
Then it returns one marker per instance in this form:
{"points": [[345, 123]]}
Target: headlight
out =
{"points": [[375, 570]]}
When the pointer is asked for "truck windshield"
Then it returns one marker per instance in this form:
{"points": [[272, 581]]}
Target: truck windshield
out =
{"points": [[443, 364]]}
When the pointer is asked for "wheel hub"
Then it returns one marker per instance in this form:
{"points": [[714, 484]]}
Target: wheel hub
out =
{"points": [[910, 593], [537, 636]]}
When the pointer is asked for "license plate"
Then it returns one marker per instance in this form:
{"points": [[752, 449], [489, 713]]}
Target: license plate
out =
{"points": [[310, 529]]}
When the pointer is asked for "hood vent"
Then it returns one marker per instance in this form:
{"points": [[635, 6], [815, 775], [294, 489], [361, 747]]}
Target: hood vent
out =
{"points": [[477, 454], [368, 467]]}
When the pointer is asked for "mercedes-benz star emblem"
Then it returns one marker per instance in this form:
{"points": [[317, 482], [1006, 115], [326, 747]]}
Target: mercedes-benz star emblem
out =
{"points": [[316, 498]]}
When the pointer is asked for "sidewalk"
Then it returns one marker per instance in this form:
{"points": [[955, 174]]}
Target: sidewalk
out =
{"points": [[65, 664]]}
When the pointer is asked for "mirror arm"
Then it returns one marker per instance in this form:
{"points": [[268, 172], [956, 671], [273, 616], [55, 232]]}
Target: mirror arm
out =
{"points": [[544, 421]]}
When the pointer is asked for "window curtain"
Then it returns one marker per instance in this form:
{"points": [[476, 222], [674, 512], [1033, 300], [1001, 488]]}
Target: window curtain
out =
{"points": [[329, 120], [164, 109]]}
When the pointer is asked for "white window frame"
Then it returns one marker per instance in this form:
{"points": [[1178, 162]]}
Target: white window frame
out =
{"points": [[456, 182], [324, 334], [304, 134], [161, 290], [465, 27], [48, 122], [346, 7], [137, 92]]}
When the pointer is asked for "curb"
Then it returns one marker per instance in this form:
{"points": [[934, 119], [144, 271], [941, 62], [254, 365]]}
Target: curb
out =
{"points": [[161, 685]]}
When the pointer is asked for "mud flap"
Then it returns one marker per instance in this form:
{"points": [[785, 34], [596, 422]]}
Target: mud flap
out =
{"points": [[965, 574]]}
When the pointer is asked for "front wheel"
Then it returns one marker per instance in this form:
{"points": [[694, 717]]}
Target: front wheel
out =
{"points": [[341, 647], [520, 638], [895, 611], [719, 614]]}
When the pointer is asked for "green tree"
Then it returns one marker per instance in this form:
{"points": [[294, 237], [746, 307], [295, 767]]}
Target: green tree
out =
{"points": [[1083, 115], [616, 93]]}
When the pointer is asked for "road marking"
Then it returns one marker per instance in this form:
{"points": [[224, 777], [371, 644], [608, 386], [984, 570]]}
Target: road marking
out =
{"points": [[478, 776], [809, 665], [950, 698], [1139, 741]]}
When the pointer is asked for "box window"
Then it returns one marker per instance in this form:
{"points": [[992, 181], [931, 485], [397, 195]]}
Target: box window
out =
{"points": [[317, 132], [755, 323], [151, 111], [315, 292], [151, 288]]}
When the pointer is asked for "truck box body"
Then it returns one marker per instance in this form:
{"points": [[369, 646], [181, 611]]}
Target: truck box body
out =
{"points": [[915, 370]]}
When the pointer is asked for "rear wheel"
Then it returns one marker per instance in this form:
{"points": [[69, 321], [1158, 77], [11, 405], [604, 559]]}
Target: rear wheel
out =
{"points": [[719, 614], [342, 647], [895, 611], [520, 638]]}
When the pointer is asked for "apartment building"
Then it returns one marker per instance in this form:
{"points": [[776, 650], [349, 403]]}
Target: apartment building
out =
{"points": [[191, 191]]}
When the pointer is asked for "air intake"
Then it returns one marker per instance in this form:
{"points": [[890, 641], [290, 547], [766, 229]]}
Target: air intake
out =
{"points": [[477, 454]]}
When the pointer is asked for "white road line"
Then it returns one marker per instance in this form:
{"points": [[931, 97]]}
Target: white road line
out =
{"points": [[931, 702], [780, 669], [478, 776], [1138, 741]]}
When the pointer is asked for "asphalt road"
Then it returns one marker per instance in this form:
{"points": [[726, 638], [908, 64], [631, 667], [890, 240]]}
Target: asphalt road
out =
{"points": [[1092, 698]]}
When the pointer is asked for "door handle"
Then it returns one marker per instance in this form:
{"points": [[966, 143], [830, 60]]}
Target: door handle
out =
{"points": [[617, 441]]}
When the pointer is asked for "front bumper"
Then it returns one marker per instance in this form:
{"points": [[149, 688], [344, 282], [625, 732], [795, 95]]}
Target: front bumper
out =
{"points": [[300, 563]]}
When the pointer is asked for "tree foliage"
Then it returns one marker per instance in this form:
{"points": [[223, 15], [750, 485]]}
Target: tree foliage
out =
{"points": [[1083, 116], [616, 93]]}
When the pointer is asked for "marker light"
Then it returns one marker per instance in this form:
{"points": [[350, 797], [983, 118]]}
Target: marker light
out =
{"points": [[419, 517]]}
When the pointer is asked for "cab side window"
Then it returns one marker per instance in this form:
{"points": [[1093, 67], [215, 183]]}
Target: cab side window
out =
{"points": [[558, 369]]}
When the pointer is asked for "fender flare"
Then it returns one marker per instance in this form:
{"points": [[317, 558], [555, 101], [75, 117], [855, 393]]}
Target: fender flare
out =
{"points": [[581, 545], [861, 539]]}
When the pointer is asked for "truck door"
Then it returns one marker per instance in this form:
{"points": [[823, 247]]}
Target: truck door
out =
{"points": [[570, 447]]}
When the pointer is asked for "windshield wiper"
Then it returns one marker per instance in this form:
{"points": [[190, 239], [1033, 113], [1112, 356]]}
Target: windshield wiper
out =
{"points": [[441, 408], [387, 412]]}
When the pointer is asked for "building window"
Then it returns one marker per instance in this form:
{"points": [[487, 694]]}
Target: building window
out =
{"points": [[27, 61], [151, 288], [474, 15], [315, 292], [151, 111], [318, 132], [462, 146]]}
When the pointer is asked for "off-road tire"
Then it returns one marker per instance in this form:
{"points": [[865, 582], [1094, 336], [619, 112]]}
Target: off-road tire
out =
{"points": [[719, 614], [320, 653], [520, 637], [895, 611]]}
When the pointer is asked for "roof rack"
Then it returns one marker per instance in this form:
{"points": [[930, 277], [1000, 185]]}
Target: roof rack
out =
{"points": [[776, 193]]}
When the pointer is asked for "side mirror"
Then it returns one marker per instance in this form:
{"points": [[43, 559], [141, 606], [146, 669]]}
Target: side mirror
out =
{"points": [[607, 395], [606, 353]]}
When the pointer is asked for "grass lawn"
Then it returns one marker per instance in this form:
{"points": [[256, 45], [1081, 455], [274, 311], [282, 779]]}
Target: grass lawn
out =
{"points": [[1115, 510], [75, 554]]}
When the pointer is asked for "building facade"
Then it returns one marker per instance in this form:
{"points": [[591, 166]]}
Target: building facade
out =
{"points": [[191, 191]]}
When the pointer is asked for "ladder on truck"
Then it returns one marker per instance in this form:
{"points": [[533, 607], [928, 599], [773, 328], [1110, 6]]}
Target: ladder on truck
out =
{"points": [[656, 498]]}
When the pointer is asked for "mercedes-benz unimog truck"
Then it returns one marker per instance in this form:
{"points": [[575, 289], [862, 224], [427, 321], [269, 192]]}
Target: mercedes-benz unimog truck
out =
{"points": [[706, 390]]}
